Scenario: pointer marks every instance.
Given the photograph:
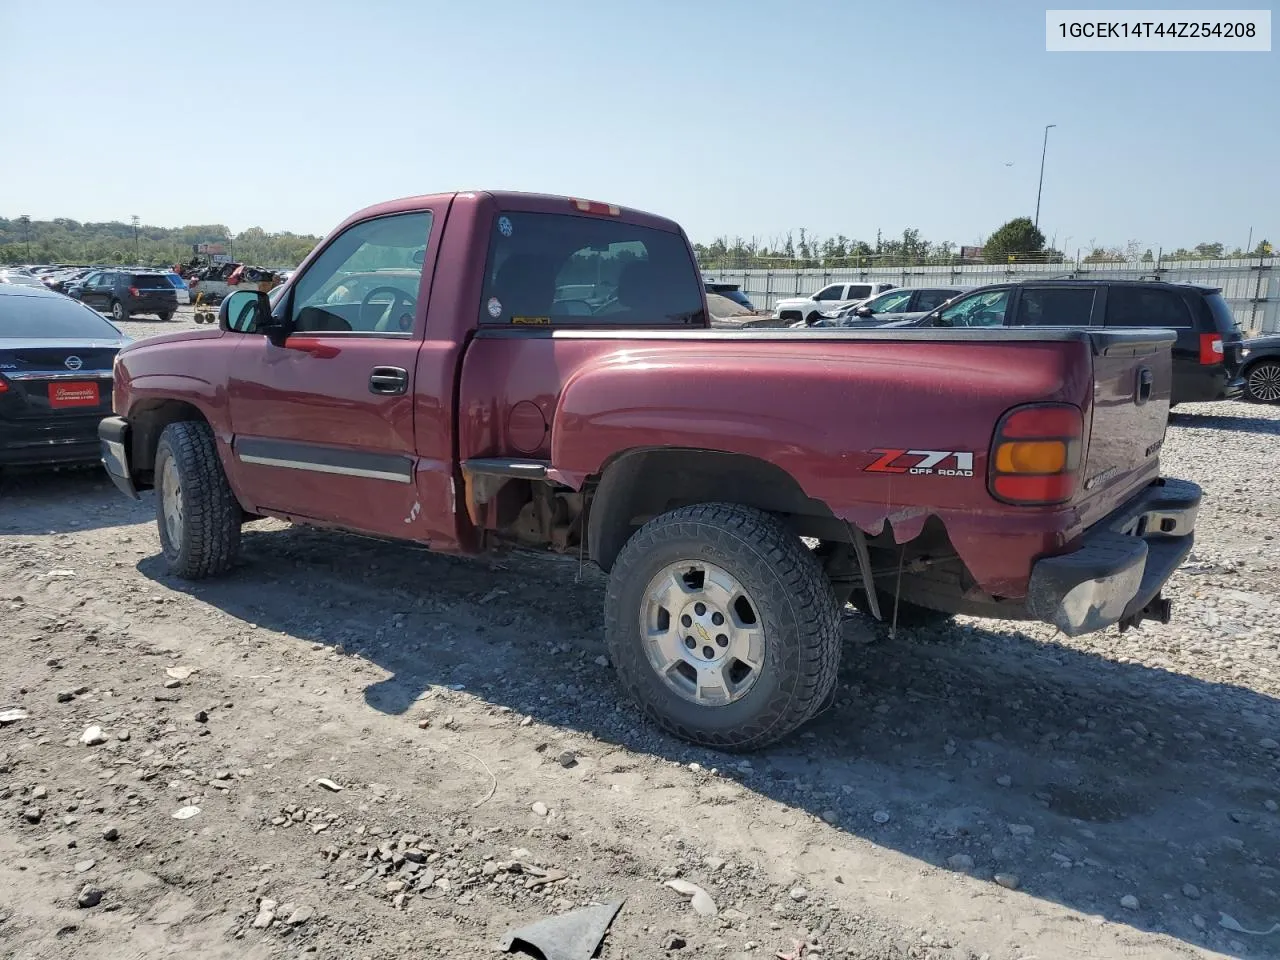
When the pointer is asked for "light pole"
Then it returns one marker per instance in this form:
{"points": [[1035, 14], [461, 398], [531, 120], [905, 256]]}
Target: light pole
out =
{"points": [[1043, 150], [137, 258]]}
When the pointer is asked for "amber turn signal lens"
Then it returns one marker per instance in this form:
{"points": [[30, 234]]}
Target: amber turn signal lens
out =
{"points": [[1035, 456]]}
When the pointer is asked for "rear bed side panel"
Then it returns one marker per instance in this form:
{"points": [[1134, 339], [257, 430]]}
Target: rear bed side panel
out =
{"points": [[774, 399]]}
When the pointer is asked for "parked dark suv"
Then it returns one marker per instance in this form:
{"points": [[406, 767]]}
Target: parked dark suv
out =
{"points": [[123, 293], [1206, 357]]}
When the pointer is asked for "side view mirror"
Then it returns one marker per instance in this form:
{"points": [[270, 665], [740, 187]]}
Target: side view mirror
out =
{"points": [[863, 311], [249, 312]]}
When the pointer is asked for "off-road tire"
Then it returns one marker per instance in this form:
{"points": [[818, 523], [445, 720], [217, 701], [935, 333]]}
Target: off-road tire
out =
{"points": [[211, 516], [118, 313], [166, 315], [795, 605]]}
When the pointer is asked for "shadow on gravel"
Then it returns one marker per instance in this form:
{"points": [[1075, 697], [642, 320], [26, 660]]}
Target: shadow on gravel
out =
{"points": [[1213, 422], [42, 501], [1088, 779]]}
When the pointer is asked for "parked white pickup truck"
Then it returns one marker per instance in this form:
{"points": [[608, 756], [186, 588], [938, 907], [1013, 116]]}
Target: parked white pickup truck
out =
{"points": [[834, 296]]}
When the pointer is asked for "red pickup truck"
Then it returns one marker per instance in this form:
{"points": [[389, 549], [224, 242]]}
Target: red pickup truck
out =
{"points": [[471, 369]]}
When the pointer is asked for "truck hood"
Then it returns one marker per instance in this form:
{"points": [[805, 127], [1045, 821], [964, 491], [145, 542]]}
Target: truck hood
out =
{"points": [[794, 302], [213, 333]]}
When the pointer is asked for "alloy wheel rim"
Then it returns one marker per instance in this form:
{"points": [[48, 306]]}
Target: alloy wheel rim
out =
{"points": [[1264, 382], [702, 633], [171, 503]]}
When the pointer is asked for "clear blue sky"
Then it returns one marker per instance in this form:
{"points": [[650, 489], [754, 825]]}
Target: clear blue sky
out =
{"points": [[733, 116]]}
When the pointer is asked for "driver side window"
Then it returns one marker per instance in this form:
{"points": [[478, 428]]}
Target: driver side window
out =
{"points": [[985, 309], [366, 281]]}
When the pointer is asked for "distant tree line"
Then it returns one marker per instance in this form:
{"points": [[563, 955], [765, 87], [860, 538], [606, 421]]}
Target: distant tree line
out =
{"points": [[70, 241], [1018, 241]]}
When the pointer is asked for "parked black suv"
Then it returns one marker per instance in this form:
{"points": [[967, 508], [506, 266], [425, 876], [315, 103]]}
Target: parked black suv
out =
{"points": [[122, 293], [1206, 357]]}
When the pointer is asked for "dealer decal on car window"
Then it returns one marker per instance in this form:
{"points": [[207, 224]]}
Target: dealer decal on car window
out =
{"points": [[958, 463]]}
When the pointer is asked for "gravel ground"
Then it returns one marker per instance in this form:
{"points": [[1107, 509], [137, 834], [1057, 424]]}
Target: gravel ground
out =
{"points": [[986, 789]]}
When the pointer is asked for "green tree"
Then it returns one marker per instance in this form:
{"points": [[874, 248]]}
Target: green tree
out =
{"points": [[1105, 255], [1017, 238], [63, 240]]}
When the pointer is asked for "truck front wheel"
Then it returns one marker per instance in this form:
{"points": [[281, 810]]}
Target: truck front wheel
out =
{"points": [[198, 516], [722, 626]]}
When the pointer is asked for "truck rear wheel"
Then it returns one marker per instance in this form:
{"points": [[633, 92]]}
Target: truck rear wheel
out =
{"points": [[722, 626], [198, 516]]}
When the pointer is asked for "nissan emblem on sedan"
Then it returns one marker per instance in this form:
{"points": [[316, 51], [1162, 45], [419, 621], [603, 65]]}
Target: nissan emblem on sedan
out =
{"points": [[74, 363]]}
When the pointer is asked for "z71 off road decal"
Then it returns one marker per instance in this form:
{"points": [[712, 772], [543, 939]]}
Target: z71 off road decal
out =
{"points": [[938, 463]]}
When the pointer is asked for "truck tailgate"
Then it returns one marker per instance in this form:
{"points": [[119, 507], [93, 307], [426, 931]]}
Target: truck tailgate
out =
{"points": [[1133, 379]]}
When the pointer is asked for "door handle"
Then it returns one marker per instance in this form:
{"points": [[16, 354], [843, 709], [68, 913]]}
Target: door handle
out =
{"points": [[1145, 381], [392, 381]]}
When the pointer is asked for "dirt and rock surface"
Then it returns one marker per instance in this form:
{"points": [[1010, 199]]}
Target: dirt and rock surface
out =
{"points": [[348, 749]]}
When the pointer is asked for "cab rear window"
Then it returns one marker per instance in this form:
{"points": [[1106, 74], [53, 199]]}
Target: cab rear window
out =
{"points": [[566, 270]]}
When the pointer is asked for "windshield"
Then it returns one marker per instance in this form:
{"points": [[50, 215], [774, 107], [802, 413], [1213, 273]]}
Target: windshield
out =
{"points": [[985, 309], [895, 300], [51, 318]]}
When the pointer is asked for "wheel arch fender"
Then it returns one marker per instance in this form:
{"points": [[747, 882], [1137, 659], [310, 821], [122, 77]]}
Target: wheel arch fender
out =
{"points": [[641, 483], [148, 417]]}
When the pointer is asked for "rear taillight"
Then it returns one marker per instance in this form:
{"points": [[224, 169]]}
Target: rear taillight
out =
{"points": [[1210, 348], [4, 384], [1035, 457]]}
